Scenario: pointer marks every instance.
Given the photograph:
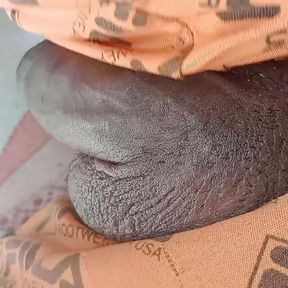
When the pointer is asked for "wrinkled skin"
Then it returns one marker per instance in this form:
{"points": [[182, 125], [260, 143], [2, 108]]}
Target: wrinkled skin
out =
{"points": [[164, 155]]}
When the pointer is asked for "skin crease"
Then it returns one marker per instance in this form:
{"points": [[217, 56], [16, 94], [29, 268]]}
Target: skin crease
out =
{"points": [[159, 156]]}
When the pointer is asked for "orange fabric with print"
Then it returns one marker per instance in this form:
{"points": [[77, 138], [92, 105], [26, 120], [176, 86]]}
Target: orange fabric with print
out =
{"points": [[54, 249], [166, 37]]}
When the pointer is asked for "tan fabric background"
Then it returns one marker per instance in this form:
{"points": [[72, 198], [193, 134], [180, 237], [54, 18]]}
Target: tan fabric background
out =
{"points": [[54, 249]]}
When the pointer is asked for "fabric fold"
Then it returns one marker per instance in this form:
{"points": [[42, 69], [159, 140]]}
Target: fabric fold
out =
{"points": [[167, 38]]}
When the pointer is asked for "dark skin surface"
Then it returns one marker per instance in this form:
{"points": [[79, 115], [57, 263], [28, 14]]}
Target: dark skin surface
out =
{"points": [[164, 155]]}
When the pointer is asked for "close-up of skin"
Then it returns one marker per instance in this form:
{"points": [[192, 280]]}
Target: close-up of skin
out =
{"points": [[156, 155]]}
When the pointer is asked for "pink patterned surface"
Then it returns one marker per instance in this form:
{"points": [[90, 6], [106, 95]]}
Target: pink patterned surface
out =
{"points": [[33, 170], [27, 138], [23, 211]]}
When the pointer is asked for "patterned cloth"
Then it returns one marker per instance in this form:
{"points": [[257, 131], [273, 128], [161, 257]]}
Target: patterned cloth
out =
{"points": [[55, 250], [33, 170], [166, 37]]}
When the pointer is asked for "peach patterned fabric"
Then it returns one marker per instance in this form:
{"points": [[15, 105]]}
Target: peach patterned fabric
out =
{"points": [[55, 249], [165, 37]]}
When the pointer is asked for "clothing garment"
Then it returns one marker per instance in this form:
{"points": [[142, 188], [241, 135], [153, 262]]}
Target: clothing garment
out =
{"points": [[165, 37], [54, 249]]}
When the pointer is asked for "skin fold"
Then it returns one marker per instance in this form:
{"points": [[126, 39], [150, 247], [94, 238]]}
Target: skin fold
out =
{"points": [[159, 156]]}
